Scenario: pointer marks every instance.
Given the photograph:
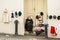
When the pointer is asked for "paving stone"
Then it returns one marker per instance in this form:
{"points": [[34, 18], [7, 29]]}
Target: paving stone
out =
{"points": [[28, 37]]}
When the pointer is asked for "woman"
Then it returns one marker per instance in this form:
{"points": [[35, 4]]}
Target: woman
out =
{"points": [[38, 30], [29, 24]]}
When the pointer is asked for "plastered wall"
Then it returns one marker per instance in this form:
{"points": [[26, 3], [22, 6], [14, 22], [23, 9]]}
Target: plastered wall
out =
{"points": [[53, 7], [11, 5]]}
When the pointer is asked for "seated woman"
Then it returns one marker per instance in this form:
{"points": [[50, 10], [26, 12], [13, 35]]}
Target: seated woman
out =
{"points": [[38, 30], [29, 24]]}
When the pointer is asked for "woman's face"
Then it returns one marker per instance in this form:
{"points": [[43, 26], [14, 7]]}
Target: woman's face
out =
{"points": [[41, 22], [29, 17]]}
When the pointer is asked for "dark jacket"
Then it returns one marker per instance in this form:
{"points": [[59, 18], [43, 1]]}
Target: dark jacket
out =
{"points": [[29, 25]]}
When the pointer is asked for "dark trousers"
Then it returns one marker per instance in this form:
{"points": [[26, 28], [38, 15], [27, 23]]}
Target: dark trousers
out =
{"points": [[39, 32], [29, 28], [46, 32]]}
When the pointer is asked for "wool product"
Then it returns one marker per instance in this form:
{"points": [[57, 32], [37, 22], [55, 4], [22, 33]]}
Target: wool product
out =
{"points": [[19, 13], [12, 15], [16, 14], [58, 17], [29, 25], [41, 13], [50, 17], [54, 17], [37, 17], [53, 30], [16, 27], [5, 16]]}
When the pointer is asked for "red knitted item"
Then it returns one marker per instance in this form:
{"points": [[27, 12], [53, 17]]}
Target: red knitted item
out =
{"points": [[53, 30]]}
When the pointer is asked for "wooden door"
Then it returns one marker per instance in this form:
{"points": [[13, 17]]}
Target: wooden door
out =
{"points": [[33, 8]]}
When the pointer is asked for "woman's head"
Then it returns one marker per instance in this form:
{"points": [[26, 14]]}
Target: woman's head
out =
{"points": [[29, 17]]}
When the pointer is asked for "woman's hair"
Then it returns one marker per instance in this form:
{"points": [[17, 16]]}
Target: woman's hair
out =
{"points": [[29, 17]]}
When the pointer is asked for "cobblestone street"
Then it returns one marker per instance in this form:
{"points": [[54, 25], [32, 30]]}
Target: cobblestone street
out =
{"points": [[26, 37]]}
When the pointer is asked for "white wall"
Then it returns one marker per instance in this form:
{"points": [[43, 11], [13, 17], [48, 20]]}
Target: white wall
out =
{"points": [[54, 9], [11, 5]]}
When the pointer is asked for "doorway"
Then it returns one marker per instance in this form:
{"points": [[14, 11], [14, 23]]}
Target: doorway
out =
{"points": [[33, 8]]}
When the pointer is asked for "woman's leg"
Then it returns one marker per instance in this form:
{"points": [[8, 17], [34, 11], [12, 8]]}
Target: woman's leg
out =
{"points": [[38, 32]]}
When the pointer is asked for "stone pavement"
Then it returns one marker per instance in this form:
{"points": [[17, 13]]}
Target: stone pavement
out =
{"points": [[26, 37]]}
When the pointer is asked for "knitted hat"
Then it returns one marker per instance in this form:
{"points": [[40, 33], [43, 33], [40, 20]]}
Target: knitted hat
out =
{"points": [[58, 17], [19, 13], [50, 17], [41, 13], [12, 15], [54, 17], [37, 16], [16, 14]]}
